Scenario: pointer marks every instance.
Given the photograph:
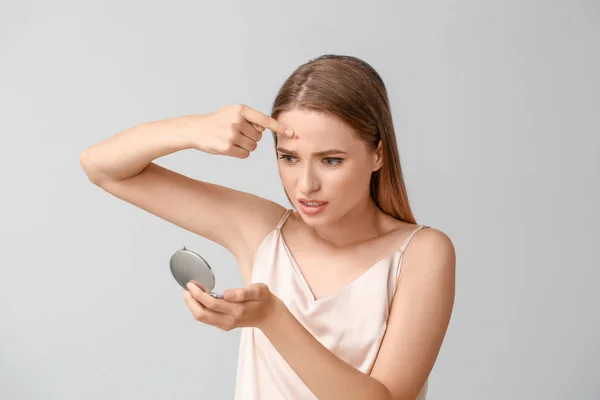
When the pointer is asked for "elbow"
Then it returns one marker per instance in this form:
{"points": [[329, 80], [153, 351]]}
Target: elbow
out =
{"points": [[88, 168], [84, 161]]}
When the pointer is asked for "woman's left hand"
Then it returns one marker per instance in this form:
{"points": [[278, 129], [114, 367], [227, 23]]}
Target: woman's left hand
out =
{"points": [[253, 306]]}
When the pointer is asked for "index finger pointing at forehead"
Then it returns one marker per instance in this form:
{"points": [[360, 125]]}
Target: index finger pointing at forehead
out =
{"points": [[256, 117]]}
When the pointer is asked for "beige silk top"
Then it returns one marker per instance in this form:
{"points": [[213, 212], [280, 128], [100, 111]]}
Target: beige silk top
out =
{"points": [[350, 322]]}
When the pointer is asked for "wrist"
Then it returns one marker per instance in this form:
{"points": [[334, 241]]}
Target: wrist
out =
{"points": [[186, 129]]}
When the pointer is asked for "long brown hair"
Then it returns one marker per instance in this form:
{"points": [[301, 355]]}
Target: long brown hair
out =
{"points": [[353, 91]]}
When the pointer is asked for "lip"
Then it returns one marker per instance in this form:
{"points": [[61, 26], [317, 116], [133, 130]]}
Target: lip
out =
{"points": [[312, 201], [309, 210]]}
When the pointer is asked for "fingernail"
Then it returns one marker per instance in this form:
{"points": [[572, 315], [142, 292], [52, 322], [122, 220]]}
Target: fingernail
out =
{"points": [[289, 132]]}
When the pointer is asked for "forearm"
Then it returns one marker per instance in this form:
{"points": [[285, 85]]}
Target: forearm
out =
{"points": [[130, 151], [326, 375]]}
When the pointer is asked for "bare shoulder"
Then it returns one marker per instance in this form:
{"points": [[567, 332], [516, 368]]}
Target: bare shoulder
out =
{"points": [[259, 218], [430, 251]]}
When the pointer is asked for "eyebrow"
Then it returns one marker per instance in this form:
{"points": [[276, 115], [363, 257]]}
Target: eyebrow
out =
{"points": [[318, 153]]}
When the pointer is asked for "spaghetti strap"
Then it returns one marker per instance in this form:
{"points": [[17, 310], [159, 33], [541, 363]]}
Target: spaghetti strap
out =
{"points": [[410, 237], [398, 266], [284, 218]]}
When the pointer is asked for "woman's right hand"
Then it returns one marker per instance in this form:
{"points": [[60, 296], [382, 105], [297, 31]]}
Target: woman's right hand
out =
{"points": [[234, 130]]}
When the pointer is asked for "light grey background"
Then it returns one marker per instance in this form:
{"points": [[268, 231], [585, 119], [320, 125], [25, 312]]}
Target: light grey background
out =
{"points": [[496, 107]]}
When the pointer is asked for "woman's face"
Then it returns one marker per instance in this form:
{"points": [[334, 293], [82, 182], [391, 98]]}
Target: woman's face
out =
{"points": [[325, 168]]}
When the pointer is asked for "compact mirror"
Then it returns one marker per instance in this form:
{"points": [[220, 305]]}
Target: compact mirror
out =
{"points": [[187, 265]]}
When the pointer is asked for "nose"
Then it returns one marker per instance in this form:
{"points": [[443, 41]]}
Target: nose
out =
{"points": [[308, 181]]}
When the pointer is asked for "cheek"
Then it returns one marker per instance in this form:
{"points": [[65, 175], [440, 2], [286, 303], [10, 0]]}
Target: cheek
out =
{"points": [[346, 180], [358, 180]]}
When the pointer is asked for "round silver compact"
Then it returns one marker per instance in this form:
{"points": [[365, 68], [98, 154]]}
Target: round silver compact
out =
{"points": [[187, 265]]}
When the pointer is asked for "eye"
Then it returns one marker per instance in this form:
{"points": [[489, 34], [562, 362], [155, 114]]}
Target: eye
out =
{"points": [[287, 158], [332, 162]]}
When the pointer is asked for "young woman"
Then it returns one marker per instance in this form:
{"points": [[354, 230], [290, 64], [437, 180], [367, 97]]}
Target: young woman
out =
{"points": [[336, 304]]}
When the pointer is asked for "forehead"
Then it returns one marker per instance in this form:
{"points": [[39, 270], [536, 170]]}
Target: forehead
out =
{"points": [[318, 131]]}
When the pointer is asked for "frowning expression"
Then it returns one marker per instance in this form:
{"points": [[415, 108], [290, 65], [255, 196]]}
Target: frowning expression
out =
{"points": [[325, 168]]}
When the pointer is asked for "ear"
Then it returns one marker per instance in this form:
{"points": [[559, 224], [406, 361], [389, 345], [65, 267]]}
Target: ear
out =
{"points": [[378, 157]]}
